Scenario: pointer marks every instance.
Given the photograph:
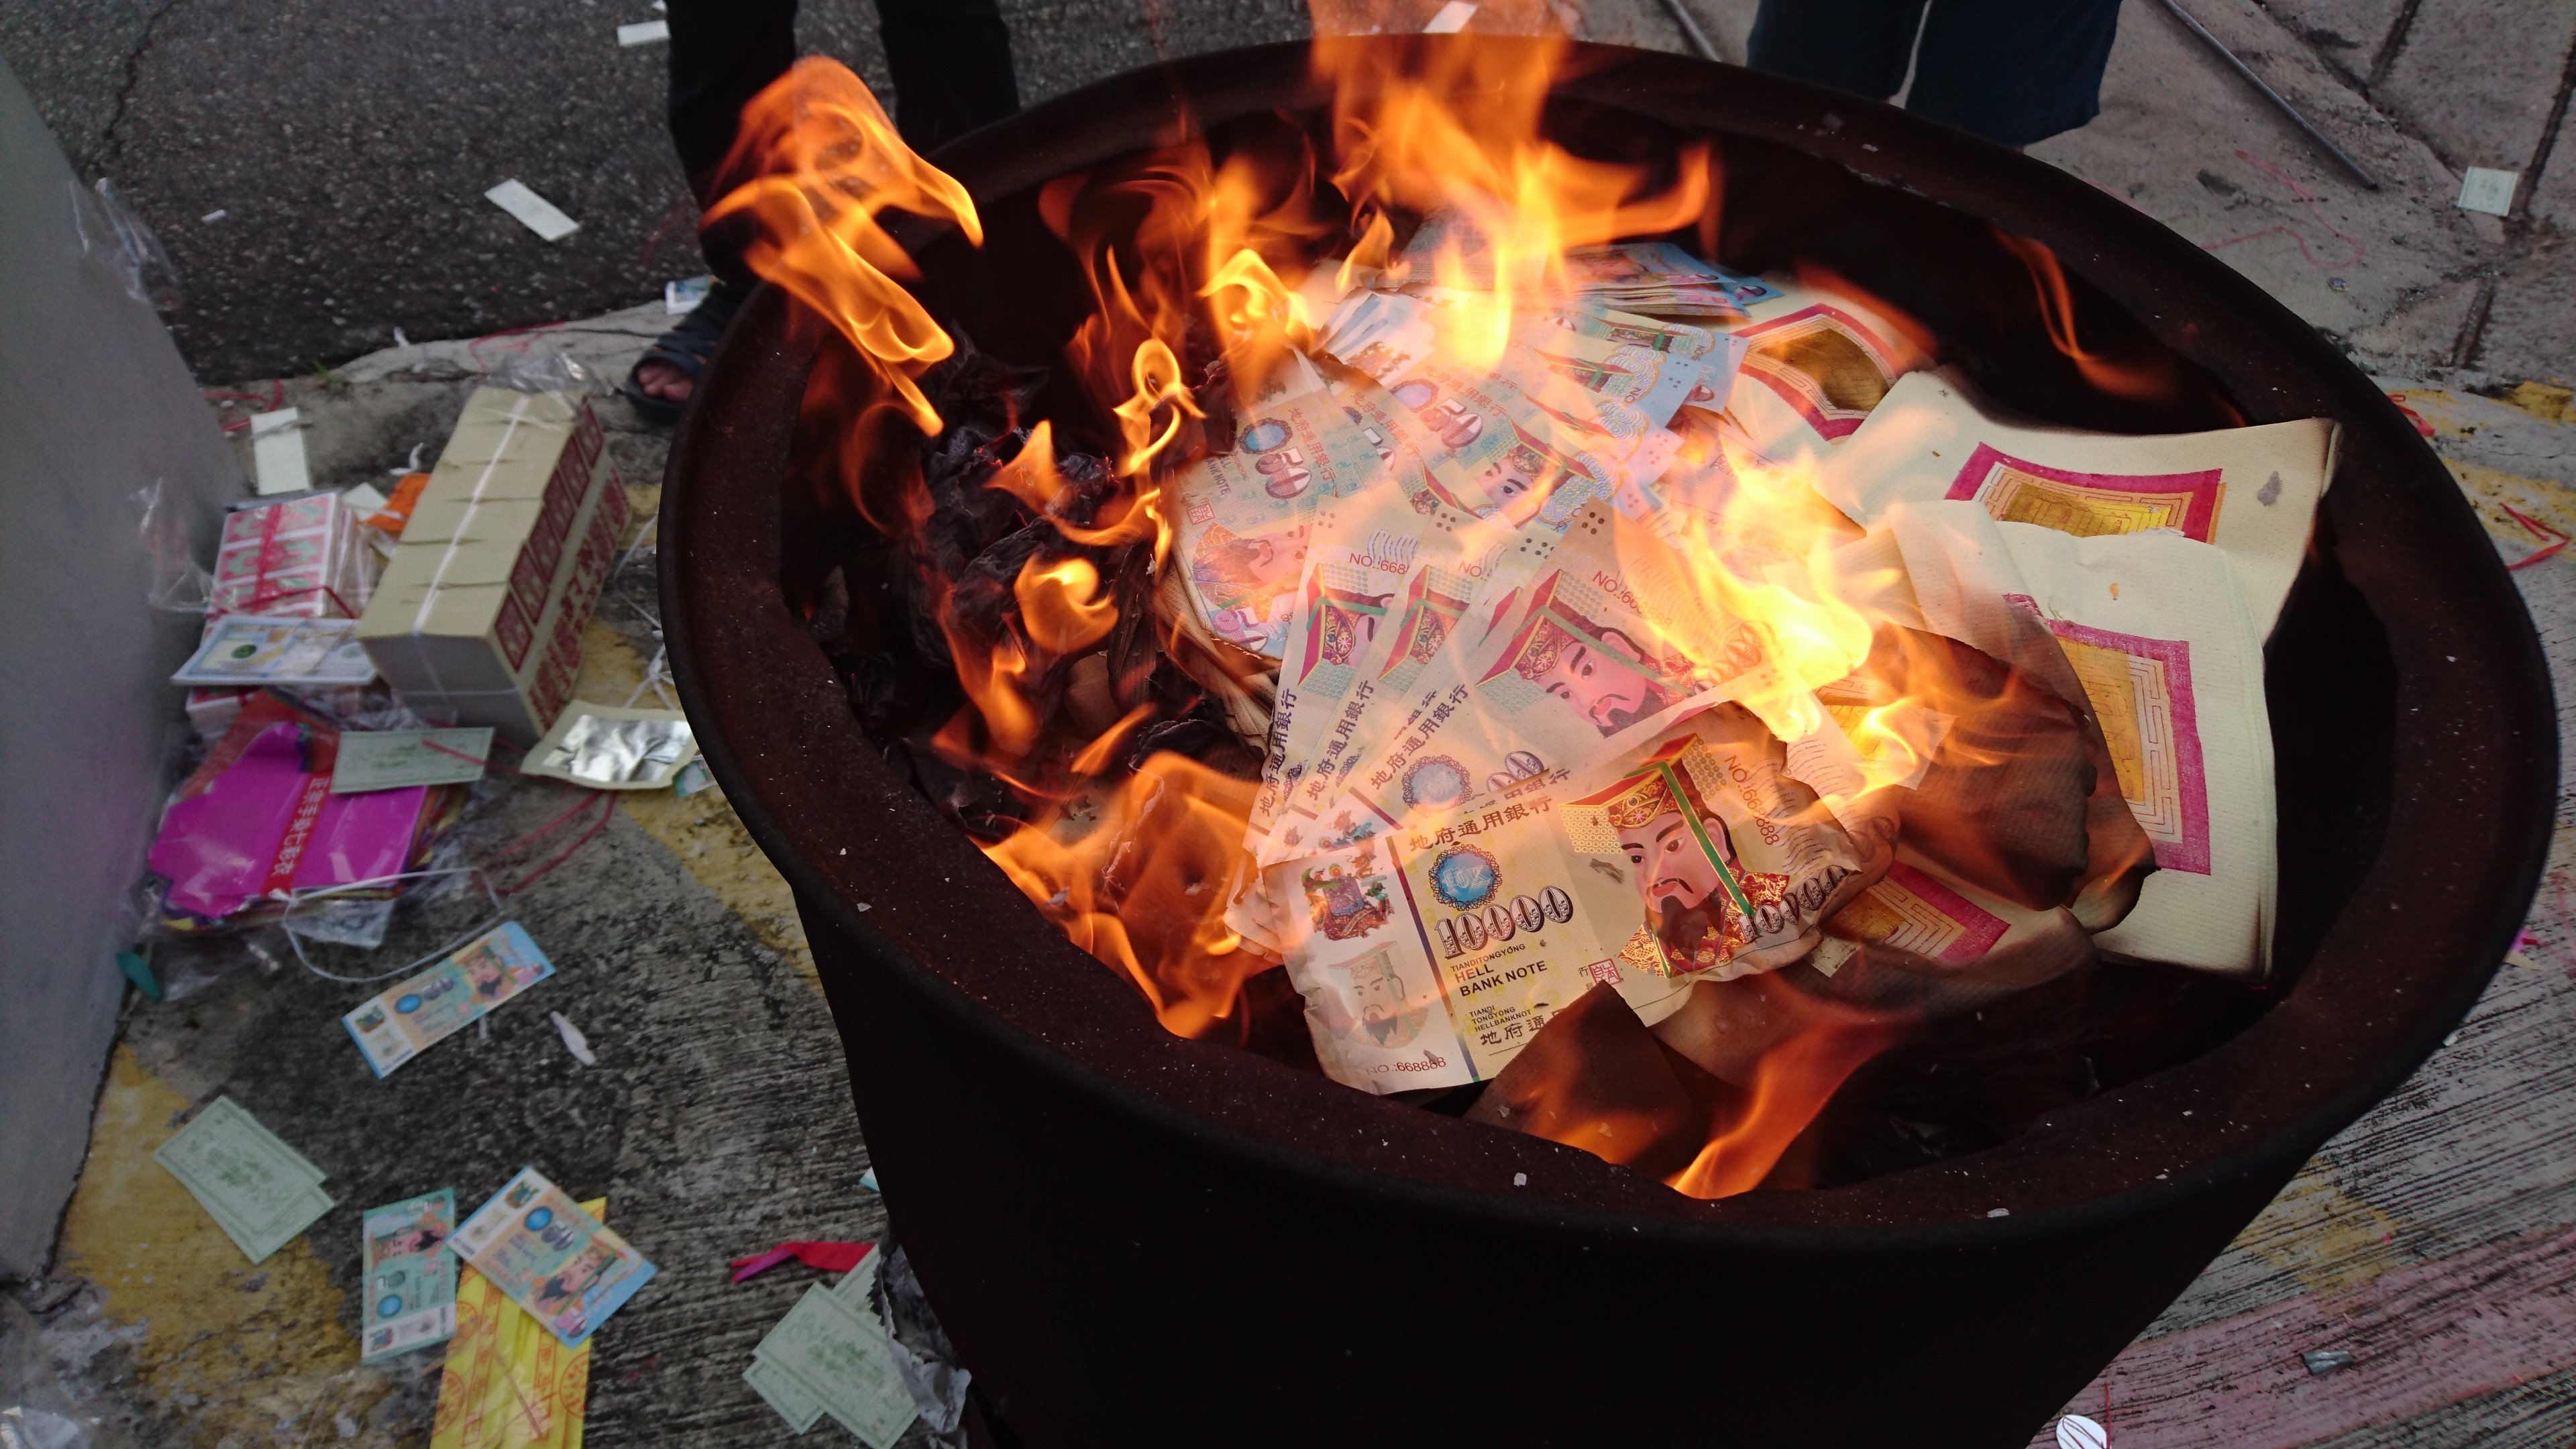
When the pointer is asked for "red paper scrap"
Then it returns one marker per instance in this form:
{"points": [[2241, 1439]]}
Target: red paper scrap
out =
{"points": [[829, 1257]]}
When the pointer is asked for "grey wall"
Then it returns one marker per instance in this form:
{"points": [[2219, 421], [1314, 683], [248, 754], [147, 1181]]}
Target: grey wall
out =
{"points": [[94, 404]]}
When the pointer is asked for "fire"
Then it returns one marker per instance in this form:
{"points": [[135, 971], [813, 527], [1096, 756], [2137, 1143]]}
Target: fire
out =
{"points": [[1061, 605], [826, 163], [1454, 130], [2057, 313], [1142, 883], [1203, 275]]}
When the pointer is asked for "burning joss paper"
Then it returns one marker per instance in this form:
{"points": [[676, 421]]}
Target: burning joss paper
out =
{"points": [[1737, 864], [1430, 958], [410, 1279], [552, 1258]]}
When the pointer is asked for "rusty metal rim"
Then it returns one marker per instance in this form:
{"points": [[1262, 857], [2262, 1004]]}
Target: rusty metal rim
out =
{"points": [[2097, 237]]}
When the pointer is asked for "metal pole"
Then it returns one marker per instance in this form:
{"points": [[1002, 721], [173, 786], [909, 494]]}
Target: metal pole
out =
{"points": [[1691, 32], [2303, 123]]}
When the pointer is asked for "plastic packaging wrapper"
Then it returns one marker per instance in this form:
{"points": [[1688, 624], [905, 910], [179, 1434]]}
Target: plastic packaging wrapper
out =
{"points": [[113, 236], [257, 822], [179, 584], [298, 558], [614, 749]]}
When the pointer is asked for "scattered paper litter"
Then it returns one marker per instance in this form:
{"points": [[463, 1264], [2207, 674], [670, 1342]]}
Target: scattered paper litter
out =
{"points": [[822, 1254], [543, 1251], [410, 1277], [1453, 17], [260, 1191], [414, 1015], [2324, 1361], [217, 214], [832, 1355], [868, 1180], [2486, 189], [682, 297], [644, 32], [507, 1384], [2077, 1432], [533, 211], [399, 759], [364, 498], [277, 452], [574, 1042]]}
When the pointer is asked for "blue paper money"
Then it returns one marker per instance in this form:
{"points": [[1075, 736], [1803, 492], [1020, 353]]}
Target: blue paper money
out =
{"points": [[550, 1257], [410, 1275]]}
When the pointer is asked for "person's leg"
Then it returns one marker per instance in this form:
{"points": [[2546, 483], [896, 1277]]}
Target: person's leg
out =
{"points": [[2013, 71], [722, 53], [1859, 46], [951, 61]]}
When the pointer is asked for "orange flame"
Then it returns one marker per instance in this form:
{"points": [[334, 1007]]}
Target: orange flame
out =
{"points": [[1143, 887], [1791, 1084], [1453, 128], [2144, 380], [829, 162], [1200, 275], [1061, 605]]}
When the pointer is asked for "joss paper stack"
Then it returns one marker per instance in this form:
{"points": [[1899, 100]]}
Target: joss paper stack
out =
{"points": [[260, 1191], [831, 1355]]}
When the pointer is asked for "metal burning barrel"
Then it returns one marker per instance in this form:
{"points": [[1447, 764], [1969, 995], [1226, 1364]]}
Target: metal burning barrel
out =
{"points": [[1139, 1239]]}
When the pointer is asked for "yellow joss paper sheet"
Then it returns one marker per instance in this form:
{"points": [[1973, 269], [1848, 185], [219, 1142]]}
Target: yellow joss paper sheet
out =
{"points": [[509, 1383]]}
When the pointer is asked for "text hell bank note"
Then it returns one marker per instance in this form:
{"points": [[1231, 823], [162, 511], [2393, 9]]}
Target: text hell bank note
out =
{"points": [[551, 1258], [410, 1017], [411, 1282]]}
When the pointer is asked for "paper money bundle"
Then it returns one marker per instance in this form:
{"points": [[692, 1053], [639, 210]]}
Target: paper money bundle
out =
{"points": [[1686, 628], [260, 1191], [832, 1355]]}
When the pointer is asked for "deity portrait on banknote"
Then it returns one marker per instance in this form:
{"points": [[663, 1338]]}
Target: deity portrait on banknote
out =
{"points": [[1602, 671], [1698, 898]]}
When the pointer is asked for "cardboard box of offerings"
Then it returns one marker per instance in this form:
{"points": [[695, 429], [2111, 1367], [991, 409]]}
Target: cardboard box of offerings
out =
{"points": [[478, 618]]}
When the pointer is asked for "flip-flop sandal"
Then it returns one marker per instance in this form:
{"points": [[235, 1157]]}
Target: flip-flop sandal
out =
{"points": [[688, 348]]}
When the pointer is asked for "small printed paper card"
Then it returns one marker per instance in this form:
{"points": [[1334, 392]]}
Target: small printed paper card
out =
{"points": [[835, 1353], [399, 759], [243, 651], [411, 1278], [260, 1191], [550, 1257], [407, 1019]]}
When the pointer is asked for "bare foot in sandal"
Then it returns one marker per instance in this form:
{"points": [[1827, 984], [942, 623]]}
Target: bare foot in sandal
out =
{"points": [[662, 380], [667, 375]]}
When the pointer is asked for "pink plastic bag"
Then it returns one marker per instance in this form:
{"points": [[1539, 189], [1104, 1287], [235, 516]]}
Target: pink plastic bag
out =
{"points": [[267, 824]]}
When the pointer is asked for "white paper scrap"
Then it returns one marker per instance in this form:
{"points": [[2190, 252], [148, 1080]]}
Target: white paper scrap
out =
{"points": [[1453, 17], [574, 1042], [533, 211], [364, 498], [647, 32], [2078, 1432], [2483, 188], [682, 297], [277, 452]]}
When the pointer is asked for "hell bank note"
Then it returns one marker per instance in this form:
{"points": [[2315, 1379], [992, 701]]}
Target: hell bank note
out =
{"points": [[409, 1018], [556, 1261]]}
